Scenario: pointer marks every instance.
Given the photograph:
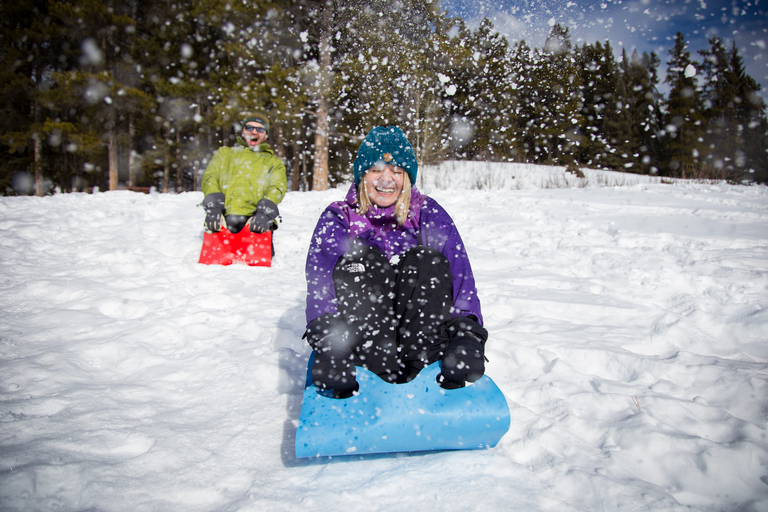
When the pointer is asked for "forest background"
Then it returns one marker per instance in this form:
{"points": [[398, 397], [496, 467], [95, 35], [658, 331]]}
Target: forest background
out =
{"points": [[140, 93]]}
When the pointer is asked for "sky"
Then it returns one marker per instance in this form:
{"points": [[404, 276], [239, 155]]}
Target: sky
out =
{"points": [[645, 25]]}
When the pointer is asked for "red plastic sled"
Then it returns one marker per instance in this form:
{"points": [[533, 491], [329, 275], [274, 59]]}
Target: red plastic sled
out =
{"points": [[225, 248]]}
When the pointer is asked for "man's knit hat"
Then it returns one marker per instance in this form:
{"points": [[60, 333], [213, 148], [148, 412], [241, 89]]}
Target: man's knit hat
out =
{"points": [[258, 116], [385, 145]]}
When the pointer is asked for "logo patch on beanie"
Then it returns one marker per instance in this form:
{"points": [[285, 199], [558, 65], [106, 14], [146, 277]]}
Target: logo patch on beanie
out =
{"points": [[387, 157]]}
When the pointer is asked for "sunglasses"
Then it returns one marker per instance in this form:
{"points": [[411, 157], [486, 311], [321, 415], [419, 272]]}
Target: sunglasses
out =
{"points": [[250, 128]]}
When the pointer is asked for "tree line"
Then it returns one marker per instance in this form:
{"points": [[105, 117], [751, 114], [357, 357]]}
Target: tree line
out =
{"points": [[139, 93]]}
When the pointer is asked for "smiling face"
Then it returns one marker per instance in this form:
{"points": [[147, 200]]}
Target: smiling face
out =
{"points": [[384, 183], [251, 136]]}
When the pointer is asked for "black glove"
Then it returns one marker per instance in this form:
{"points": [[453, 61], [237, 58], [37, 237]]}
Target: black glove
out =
{"points": [[266, 212], [214, 207], [464, 354], [333, 370]]}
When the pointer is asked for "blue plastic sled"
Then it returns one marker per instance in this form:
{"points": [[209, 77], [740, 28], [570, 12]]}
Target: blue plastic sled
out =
{"points": [[388, 418]]}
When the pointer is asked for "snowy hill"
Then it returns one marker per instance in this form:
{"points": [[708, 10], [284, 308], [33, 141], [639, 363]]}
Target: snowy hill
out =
{"points": [[628, 331], [515, 176]]}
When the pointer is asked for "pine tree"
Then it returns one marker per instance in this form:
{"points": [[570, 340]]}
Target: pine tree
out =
{"points": [[288, 84], [643, 104], [753, 123], [734, 114], [483, 100], [214, 62], [618, 123], [606, 124], [102, 84], [29, 41], [386, 62], [526, 95], [93, 89], [684, 128], [724, 146], [557, 114], [318, 27], [433, 92]]}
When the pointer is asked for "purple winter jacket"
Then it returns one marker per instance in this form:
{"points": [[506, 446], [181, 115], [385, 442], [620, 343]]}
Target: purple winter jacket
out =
{"points": [[428, 224]]}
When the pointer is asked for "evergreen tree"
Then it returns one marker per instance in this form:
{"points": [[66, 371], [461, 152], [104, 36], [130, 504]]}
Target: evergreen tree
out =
{"points": [[724, 146], [387, 67], [484, 97], [29, 42], [618, 123], [142, 92], [606, 123], [735, 115], [99, 88], [753, 123], [643, 104], [559, 102], [523, 68], [434, 93], [683, 140], [300, 85]]}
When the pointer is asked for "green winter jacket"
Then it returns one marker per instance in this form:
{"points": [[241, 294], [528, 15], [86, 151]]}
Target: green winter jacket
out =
{"points": [[245, 176]]}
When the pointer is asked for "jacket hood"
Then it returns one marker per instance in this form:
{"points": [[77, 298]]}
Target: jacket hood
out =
{"points": [[261, 148]]}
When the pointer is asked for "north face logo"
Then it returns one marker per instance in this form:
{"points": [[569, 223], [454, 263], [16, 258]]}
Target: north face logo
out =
{"points": [[355, 268]]}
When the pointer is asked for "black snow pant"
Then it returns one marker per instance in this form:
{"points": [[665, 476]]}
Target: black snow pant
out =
{"points": [[392, 313], [235, 224]]}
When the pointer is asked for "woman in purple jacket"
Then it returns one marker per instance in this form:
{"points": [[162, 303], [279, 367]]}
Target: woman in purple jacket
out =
{"points": [[389, 284]]}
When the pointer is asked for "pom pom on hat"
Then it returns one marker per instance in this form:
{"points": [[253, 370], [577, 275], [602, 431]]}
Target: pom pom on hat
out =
{"points": [[385, 145], [257, 116]]}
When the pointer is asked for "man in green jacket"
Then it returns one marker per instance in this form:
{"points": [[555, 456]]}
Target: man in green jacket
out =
{"points": [[244, 184]]}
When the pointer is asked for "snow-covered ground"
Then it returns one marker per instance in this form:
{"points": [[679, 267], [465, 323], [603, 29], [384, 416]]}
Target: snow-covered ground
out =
{"points": [[628, 331]]}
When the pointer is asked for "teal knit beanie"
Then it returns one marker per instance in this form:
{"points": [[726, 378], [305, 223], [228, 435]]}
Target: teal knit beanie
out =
{"points": [[385, 145]]}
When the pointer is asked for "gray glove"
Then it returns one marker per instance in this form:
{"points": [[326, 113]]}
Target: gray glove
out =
{"points": [[266, 213], [214, 208]]}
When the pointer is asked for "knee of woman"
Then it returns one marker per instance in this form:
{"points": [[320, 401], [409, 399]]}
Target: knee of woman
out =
{"points": [[359, 258], [424, 253], [421, 258]]}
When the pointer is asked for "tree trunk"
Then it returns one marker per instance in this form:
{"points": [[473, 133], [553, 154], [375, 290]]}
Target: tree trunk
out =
{"points": [[195, 169], [320, 169], [279, 149], [179, 167], [296, 169], [132, 153], [112, 151], [167, 166], [38, 165], [37, 148]]}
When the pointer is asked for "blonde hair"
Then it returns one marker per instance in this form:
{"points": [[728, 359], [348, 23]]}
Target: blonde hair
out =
{"points": [[402, 205]]}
